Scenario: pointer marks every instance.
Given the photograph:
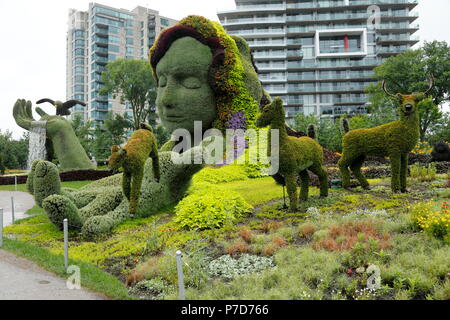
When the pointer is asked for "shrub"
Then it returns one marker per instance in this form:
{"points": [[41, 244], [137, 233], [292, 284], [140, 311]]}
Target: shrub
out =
{"points": [[423, 173], [276, 243], [352, 235], [229, 268], [306, 230], [237, 247], [432, 221], [246, 234], [2, 165], [45, 181], [209, 210], [155, 289], [29, 183], [226, 173], [268, 226]]}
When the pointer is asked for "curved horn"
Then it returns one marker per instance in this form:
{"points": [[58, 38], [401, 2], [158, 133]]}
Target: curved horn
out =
{"points": [[431, 81], [387, 92]]}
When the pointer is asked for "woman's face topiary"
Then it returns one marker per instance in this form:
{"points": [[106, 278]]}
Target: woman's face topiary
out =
{"points": [[183, 94]]}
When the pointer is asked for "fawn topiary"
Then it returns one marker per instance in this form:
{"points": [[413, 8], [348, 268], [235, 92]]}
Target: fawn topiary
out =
{"points": [[131, 158], [297, 155], [395, 139]]}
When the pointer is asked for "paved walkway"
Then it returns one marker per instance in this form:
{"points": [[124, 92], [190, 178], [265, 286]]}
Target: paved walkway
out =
{"points": [[22, 202], [21, 279]]}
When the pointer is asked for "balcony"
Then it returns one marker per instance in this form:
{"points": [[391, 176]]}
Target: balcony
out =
{"points": [[383, 51], [100, 30], [303, 77], [269, 56], [252, 21], [294, 55], [99, 59], [257, 32], [272, 67], [398, 27], [252, 8], [100, 50], [265, 44], [349, 100], [335, 64], [272, 80], [395, 39], [340, 5]]}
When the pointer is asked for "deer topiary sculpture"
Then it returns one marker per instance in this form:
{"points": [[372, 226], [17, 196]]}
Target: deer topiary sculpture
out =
{"points": [[296, 155], [132, 158], [395, 140]]}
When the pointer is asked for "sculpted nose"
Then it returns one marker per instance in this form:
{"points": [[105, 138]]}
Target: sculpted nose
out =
{"points": [[168, 98], [408, 107]]}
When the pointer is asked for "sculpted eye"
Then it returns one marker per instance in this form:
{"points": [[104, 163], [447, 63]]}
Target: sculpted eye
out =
{"points": [[191, 83], [162, 81]]}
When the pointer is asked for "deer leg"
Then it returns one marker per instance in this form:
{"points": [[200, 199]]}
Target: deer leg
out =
{"points": [[291, 185], [345, 173], [322, 174], [136, 183], [304, 186], [356, 169], [395, 174], [403, 172], [126, 184]]}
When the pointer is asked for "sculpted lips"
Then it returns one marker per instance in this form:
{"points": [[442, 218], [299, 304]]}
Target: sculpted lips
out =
{"points": [[174, 117]]}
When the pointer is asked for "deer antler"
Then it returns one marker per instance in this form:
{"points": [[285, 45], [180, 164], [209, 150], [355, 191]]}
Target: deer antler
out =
{"points": [[387, 92], [431, 81]]}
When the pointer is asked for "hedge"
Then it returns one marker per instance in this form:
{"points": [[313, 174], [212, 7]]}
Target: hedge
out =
{"points": [[76, 175]]}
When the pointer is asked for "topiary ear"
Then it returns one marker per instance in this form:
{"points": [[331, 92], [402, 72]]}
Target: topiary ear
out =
{"points": [[419, 97], [146, 126], [277, 103], [114, 148]]}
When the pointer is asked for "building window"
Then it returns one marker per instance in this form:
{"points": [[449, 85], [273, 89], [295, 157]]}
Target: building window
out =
{"points": [[164, 22], [113, 48], [78, 52]]}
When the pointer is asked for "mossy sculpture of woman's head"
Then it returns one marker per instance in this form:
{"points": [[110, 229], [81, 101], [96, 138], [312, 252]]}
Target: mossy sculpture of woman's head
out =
{"points": [[204, 74]]}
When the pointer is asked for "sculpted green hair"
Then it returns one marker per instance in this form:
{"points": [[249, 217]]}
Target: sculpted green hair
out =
{"points": [[232, 74]]}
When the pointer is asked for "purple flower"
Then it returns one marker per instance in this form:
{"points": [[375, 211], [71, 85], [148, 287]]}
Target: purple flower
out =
{"points": [[238, 121]]}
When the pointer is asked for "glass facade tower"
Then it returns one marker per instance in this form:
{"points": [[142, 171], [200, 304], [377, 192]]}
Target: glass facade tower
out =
{"points": [[101, 35], [319, 55]]}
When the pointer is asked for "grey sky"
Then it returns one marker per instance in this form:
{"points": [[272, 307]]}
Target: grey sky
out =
{"points": [[33, 35]]}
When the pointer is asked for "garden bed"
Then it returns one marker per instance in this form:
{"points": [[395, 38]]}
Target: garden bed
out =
{"points": [[320, 252]]}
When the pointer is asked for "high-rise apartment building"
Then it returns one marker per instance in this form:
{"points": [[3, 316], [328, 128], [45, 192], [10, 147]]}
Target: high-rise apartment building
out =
{"points": [[101, 35], [319, 55]]}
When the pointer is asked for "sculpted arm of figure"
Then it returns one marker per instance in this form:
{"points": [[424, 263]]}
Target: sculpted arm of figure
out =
{"points": [[66, 145]]}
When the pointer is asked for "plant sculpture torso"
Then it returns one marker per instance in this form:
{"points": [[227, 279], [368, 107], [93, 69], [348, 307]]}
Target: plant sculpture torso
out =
{"points": [[395, 139], [203, 74], [131, 158], [296, 155]]}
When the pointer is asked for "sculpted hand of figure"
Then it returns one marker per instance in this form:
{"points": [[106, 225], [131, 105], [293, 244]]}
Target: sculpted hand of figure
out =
{"points": [[65, 143]]}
